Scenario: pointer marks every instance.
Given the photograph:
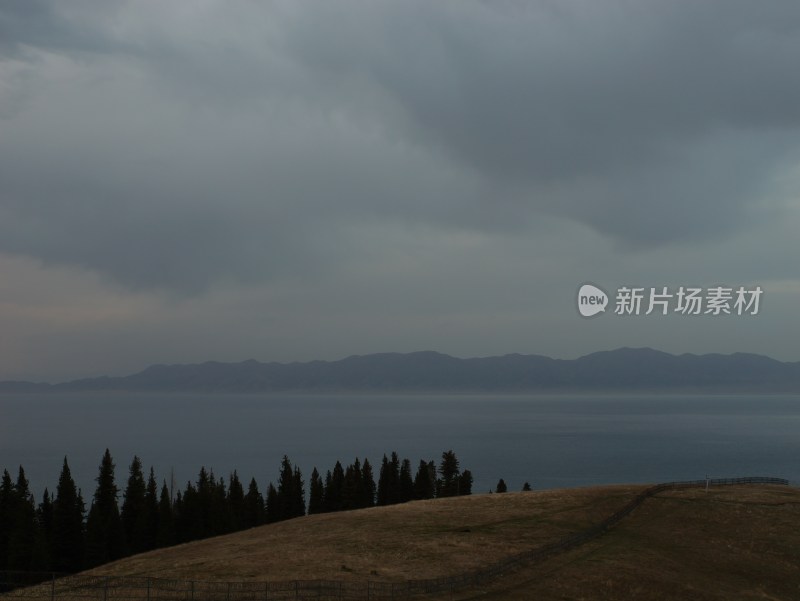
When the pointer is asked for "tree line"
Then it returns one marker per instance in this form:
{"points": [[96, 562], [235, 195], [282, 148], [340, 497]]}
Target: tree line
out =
{"points": [[60, 535]]}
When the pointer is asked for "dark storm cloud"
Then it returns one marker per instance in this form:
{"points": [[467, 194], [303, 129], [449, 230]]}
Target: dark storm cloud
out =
{"points": [[173, 145], [44, 24], [617, 114], [23, 21]]}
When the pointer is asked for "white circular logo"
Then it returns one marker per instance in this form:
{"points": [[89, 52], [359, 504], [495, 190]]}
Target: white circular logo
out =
{"points": [[591, 300]]}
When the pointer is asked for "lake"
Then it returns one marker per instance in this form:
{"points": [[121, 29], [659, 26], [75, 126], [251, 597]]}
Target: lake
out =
{"points": [[549, 440]]}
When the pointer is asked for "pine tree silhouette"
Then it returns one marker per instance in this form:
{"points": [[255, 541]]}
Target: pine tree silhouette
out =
{"points": [[465, 483], [133, 509], [298, 503], [425, 480], [68, 510], [273, 504], [367, 485], [316, 493], [254, 506], [7, 502], [449, 474], [405, 483], [105, 534], [23, 536], [236, 504], [150, 514], [333, 488], [165, 533], [44, 519]]}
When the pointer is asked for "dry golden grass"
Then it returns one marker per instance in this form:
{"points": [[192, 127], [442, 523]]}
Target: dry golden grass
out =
{"points": [[732, 543], [421, 539]]}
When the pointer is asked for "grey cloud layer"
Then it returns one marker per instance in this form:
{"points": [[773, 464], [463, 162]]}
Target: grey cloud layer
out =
{"points": [[167, 145]]}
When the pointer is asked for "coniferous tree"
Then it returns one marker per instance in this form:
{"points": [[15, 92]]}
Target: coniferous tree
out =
{"points": [[285, 490], [405, 483], [235, 502], [383, 482], [425, 480], [179, 519], [501, 486], [218, 510], [44, 518], [449, 474], [203, 510], [68, 510], [367, 485], [435, 482], [211, 504], [394, 478], [298, 505], [189, 524], [23, 535], [165, 534], [105, 534], [526, 487], [327, 489], [334, 485], [361, 484], [465, 483], [254, 511], [151, 500], [7, 503], [273, 504], [337, 483], [352, 486], [133, 512], [316, 493], [202, 504], [389, 481]]}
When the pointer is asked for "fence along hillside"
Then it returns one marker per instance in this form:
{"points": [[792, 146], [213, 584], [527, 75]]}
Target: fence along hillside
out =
{"points": [[52, 587]]}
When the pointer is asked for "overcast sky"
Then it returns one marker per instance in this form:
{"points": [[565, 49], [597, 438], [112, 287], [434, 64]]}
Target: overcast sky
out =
{"points": [[208, 180]]}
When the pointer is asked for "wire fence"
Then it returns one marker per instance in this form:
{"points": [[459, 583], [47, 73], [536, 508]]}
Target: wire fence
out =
{"points": [[55, 587]]}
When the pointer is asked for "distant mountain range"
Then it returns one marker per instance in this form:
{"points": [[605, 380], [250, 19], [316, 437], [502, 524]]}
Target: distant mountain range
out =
{"points": [[625, 369]]}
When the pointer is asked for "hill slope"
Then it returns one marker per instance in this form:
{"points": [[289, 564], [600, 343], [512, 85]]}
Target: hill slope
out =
{"points": [[421, 539], [730, 543]]}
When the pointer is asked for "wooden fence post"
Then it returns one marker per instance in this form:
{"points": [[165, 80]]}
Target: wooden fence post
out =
{"points": [[105, 590], [53, 588]]}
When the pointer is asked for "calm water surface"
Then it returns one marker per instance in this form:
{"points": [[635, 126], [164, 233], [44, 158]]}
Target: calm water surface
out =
{"points": [[550, 441]]}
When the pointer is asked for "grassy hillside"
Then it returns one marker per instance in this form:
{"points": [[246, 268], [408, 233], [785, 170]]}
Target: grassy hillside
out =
{"points": [[730, 543], [421, 539]]}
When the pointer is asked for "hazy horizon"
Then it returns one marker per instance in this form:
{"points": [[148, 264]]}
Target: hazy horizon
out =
{"points": [[145, 367]]}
